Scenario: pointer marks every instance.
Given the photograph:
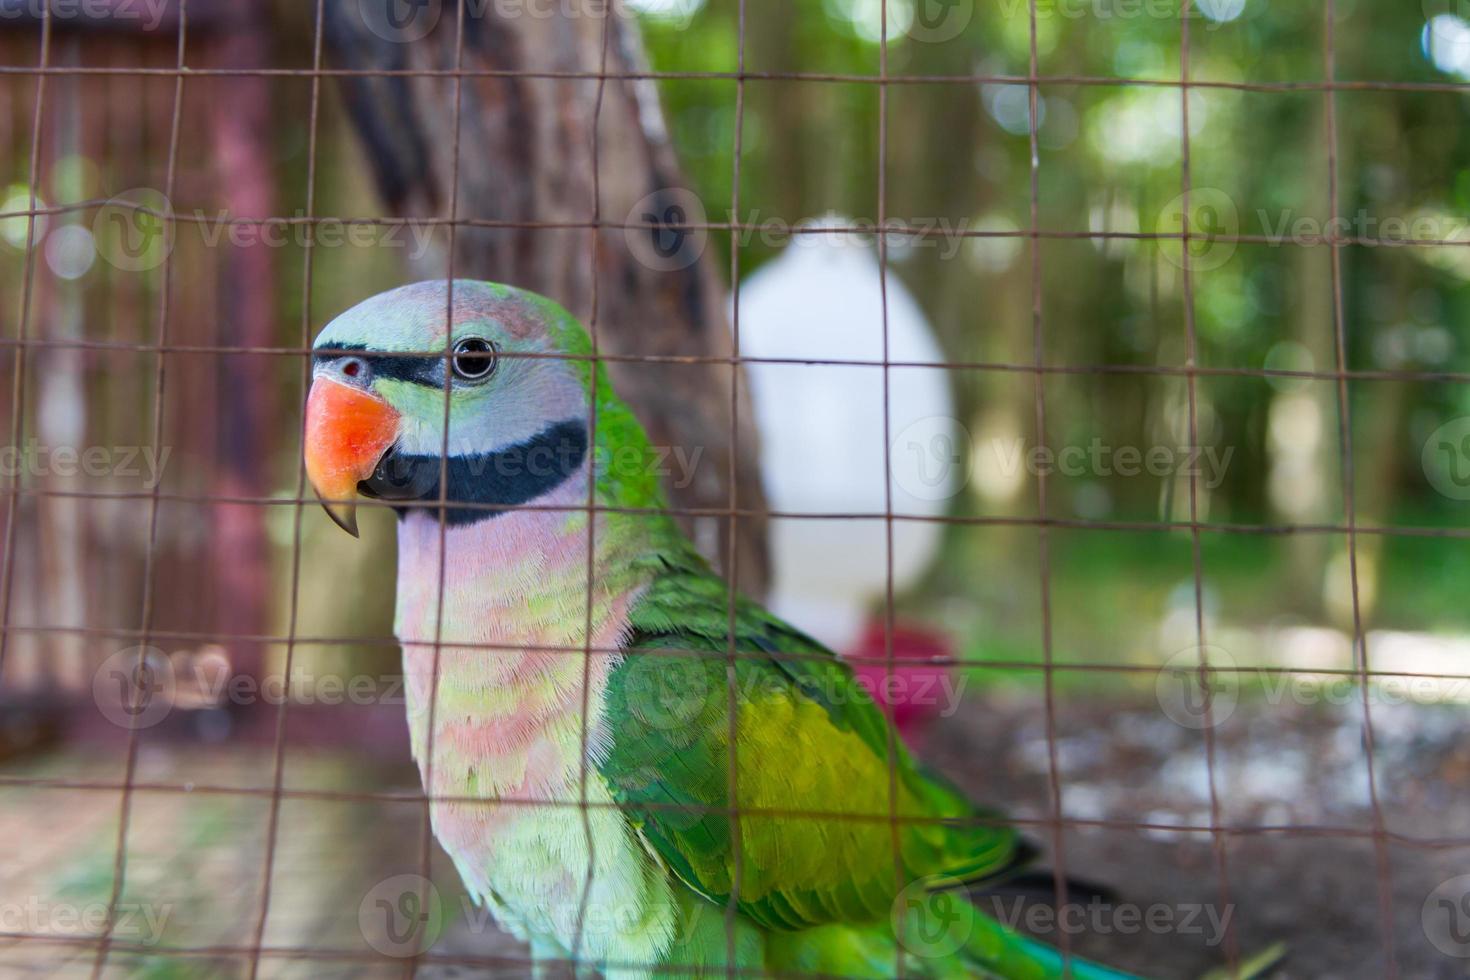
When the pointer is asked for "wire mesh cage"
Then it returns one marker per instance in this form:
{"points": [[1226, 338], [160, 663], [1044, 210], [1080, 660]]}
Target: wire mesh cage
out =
{"points": [[1173, 482]]}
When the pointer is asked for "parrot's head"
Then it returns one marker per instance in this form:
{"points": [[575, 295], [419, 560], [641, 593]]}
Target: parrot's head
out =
{"points": [[407, 388]]}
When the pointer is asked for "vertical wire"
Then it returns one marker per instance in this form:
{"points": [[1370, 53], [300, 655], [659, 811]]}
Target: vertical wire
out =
{"points": [[1361, 664], [426, 845], [120, 855], [1043, 532], [890, 665], [17, 395], [595, 255], [732, 676], [298, 508], [1345, 436], [1191, 361]]}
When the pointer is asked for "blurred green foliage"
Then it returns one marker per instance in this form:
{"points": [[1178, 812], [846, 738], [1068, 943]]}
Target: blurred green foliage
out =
{"points": [[1109, 159], [1118, 322]]}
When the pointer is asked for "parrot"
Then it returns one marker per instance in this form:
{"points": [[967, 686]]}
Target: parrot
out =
{"points": [[635, 770]]}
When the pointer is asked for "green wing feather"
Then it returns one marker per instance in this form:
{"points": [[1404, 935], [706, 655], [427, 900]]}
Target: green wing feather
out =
{"points": [[817, 844]]}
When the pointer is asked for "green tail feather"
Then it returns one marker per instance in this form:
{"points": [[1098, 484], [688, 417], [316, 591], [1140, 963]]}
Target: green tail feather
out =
{"points": [[948, 937], [1003, 952], [1255, 966]]}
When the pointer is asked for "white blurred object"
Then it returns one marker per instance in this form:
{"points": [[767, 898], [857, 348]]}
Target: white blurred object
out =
{"points": [[822, 435]]}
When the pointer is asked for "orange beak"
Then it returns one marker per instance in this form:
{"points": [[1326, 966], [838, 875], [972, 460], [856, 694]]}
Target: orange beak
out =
{"points": [[347, 431]]}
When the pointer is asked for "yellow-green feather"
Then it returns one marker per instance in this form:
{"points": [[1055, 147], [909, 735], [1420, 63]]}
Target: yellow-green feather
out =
{"points": [[812, 767]]}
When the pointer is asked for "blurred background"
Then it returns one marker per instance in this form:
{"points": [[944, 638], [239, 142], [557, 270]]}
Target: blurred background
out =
{"points": [[1271, 514]]}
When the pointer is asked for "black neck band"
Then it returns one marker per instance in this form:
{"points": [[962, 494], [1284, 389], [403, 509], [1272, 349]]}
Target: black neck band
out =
{"points": [[492, 482]]}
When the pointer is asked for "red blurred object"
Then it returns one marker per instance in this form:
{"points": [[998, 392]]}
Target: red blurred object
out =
{"points": [[919, 687]]}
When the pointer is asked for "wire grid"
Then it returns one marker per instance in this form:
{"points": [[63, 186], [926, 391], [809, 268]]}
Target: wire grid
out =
{"points": [[1055, 822]]}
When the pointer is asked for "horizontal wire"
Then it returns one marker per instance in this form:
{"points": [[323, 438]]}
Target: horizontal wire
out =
{"points": [[1104, 666], [915, 227], [1004, 367], [1091, 81], [957, 520], [419, 797]]}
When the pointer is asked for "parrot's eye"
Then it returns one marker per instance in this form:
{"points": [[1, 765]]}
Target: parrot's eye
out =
{"points": [[474, 359]]}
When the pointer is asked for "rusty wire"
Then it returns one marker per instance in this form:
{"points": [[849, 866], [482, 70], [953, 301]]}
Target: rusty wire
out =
{"points": [[1055, 822]]}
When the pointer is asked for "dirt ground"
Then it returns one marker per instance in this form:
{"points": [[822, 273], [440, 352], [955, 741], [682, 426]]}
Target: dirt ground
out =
{"points": [[1314, 882], [1290, 781]]}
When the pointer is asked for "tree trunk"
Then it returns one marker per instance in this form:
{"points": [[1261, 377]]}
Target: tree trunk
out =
{"points": [[526, 158]]}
